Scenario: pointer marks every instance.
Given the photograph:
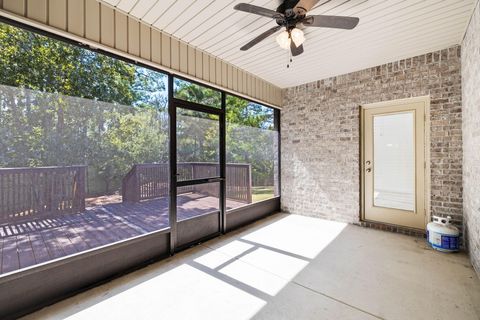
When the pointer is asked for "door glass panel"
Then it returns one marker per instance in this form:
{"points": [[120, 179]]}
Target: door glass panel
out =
{"points": [[394, 161], [197, 200], [198, 148]]}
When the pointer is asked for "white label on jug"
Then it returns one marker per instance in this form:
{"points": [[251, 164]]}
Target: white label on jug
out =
{"points": [[435, 238]]}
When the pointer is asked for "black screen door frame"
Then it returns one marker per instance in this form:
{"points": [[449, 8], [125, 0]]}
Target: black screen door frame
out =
{"points": [[173, 105]]}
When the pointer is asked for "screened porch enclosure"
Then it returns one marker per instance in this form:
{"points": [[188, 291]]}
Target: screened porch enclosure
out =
{"points": [[50, 207], [87, 158]]}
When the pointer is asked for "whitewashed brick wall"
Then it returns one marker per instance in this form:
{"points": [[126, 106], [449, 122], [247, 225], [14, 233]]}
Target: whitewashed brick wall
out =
{"points": [[320, 134], [471, 136]]}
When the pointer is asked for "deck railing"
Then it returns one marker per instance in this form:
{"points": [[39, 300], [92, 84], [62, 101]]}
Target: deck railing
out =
{"points": [[33, 192], [148, 181], [43, 191], [239, 182]]}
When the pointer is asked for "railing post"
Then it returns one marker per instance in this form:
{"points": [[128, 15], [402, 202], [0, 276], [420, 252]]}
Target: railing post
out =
{"points": [[124, 189], [249, 183], [136, 184], [130, 186], [80, 195], [48, 192], [195, 188]]}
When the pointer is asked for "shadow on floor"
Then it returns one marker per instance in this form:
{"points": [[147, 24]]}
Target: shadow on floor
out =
{"points": [[290, 267]]}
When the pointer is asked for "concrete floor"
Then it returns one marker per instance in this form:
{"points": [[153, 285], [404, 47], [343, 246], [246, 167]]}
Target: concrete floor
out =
{"points": [[290, 267]]}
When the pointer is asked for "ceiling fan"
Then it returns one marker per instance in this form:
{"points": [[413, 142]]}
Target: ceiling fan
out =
{"points": [[288, 15]]}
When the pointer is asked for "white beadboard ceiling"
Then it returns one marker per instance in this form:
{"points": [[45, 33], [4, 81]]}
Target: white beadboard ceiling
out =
{"points": [[389, 30]]}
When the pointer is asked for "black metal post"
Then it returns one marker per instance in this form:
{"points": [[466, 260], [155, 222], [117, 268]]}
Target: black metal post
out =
{"points": [[276, 120], [172, 126], [223, 166]]}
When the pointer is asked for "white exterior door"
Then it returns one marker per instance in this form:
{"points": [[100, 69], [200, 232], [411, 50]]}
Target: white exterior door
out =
{"points": [[394, 162]]}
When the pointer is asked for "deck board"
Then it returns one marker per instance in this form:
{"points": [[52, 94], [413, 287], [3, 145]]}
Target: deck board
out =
{"points": [[40, 250], [77, 241], [54, 246], [39, 240], [9, 254], [25, 252]]}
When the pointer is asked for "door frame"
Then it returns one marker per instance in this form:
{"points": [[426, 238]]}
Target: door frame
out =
{"points": [[173, 105], [427, 173]]}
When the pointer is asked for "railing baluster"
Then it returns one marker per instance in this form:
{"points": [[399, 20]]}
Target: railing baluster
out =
{"points": [[2, 190]]}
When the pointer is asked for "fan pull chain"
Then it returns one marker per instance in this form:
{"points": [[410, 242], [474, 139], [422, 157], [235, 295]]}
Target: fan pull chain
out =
{"points": [[289, 58]]}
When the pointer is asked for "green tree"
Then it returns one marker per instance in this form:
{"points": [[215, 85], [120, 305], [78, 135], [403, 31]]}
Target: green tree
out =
{"points": [[64, 105], [251, 138], [196, 93], [41, 63]]}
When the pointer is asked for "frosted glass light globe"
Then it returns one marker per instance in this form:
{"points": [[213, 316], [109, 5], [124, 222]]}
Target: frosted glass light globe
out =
{"points": [[283, 40], [297, 36]]}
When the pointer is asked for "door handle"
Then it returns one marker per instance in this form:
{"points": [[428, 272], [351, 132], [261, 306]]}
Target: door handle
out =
{"points": [[369, 170], [367, 162]]}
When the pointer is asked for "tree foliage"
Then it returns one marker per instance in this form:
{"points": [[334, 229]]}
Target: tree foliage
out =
{"points": [[64, 105], [40, 63], [251, 138]]}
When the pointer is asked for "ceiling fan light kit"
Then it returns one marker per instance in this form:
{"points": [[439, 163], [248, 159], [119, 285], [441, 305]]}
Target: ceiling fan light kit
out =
{"points": [[287, 16], [285, 37]]}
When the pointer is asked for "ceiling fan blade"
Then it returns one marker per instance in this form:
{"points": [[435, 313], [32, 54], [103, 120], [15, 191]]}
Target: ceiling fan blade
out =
{"points": [[264, 35], [339, 22], [306, 5], [250, 8], [296, 50]]}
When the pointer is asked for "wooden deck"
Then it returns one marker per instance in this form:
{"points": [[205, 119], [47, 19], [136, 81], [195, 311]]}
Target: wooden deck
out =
{"points": [[24, 244]]}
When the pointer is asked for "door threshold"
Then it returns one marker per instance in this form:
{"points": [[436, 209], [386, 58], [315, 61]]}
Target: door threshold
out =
{"points": [[421, 233]]}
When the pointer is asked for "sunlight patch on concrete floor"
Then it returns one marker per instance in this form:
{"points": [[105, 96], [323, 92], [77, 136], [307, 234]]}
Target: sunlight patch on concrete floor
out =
{"points": [[290, 267]]}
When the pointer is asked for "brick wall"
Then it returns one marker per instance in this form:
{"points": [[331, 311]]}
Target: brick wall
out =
{"points": [[321, 138], [471, 136]]}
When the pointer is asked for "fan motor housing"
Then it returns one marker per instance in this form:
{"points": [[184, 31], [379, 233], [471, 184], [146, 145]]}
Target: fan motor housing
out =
{"points": [[289, 23], [290, 11]]}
